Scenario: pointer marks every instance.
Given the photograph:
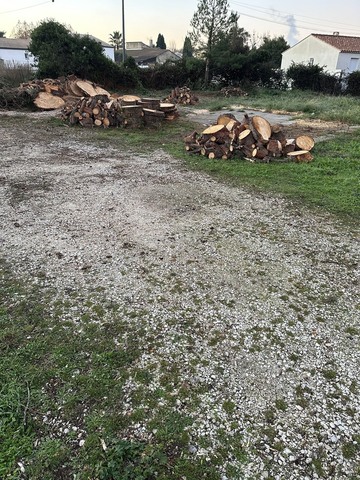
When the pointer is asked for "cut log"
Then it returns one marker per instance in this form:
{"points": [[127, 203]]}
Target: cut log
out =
{"points": [[301, 156], [225, 118], [274, 147], [133, 116], [129, 100], [191, 138], [47, 101], [304, 142], [213, 129], [153, 117], [262, 128], [150, 103], [86, 87]]}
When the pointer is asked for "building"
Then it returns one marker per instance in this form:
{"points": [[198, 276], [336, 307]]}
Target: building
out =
{"points": [[336, 53], [146, 56], [15, 51]]}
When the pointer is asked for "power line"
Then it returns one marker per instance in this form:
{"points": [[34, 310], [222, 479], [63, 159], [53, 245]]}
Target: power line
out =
{"points": [[296, 22], [273, 11], [25, 8]]}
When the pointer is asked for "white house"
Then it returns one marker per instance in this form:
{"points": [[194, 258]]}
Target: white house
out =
{"points": [[15, 51], [147, 55], [336, 53]]}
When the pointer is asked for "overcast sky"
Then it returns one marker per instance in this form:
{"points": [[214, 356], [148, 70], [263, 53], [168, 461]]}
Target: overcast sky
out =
{"points": [[145, 19]]}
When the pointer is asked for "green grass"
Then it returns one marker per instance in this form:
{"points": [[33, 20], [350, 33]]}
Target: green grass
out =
{"points": [[309, 104], [330, 182], [55, 377]]}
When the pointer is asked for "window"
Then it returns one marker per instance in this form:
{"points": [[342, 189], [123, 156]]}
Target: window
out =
{"points": [[354, 64]]}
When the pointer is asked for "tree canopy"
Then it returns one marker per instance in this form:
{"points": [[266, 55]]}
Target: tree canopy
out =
{"points": [[211, 20], [188, 50], [23, 29], [116, 40], [160, 42], [60, 52]]}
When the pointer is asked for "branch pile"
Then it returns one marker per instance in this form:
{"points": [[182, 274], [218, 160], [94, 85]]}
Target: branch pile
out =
{"points": [[233, 92], [125, 111], [253, 139], [17, 98], [182, 96]]}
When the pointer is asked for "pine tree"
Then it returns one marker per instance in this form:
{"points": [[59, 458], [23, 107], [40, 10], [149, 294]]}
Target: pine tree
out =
{"points": [[187, 48], [160, 42], [211, 19]]}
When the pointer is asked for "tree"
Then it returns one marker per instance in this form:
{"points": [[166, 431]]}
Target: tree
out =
{"points": [[2, 34], [116, 40], [60, 52], [188, 51], [210, 21], [160, 42], [23, 30]]}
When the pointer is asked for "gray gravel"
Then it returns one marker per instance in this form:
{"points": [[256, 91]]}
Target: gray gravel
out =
{"points": [[255, 299]]}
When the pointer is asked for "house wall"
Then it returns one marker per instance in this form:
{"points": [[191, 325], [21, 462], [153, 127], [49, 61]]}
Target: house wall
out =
{"points": [[109, 52], [312, 48], [345, 63], [18, 56]]}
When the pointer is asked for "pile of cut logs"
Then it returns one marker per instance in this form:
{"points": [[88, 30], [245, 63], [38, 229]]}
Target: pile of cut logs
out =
{"points": [[182, 96], [56, 93], [253, 139], [125, 111]]}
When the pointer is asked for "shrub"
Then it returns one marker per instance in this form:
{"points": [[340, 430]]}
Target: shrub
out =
{"points": [[12, 74], [353, 83], [313, 77]]}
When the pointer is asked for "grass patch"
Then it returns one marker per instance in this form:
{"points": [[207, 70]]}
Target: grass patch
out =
{"points": [[330, 182], [344, 109], [63, 391]]}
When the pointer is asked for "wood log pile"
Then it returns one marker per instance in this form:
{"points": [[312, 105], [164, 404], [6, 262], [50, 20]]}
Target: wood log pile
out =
{"points": [[182, 96], [124, 111], [51, 94], [253, 139]]}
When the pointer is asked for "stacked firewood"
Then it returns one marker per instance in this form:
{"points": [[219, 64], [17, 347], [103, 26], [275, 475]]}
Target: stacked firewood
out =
{"points": [[51, 94], [124, 111], [182, 96], [253, 139]]}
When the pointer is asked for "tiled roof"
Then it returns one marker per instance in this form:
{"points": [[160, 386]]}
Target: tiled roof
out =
{"points": [[23, 44], [145, 54], [14, 43], [341, 42]]}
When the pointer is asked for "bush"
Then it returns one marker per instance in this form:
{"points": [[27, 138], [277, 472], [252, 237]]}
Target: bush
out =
{"points": [[170, 75], [313, 77], [353, 83], [12, 74], [60, 53]]}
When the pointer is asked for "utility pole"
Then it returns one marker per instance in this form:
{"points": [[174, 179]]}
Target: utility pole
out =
{"points": [[123, 31]]}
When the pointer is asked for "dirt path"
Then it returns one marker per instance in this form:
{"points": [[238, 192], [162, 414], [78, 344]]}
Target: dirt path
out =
{"points": [[253, 298]]}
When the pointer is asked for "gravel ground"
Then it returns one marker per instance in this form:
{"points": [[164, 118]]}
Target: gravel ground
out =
{"points": [[252, 297]]}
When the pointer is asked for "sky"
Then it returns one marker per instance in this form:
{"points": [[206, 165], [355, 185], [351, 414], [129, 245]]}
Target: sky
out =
{"points": [[145, 19]]}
